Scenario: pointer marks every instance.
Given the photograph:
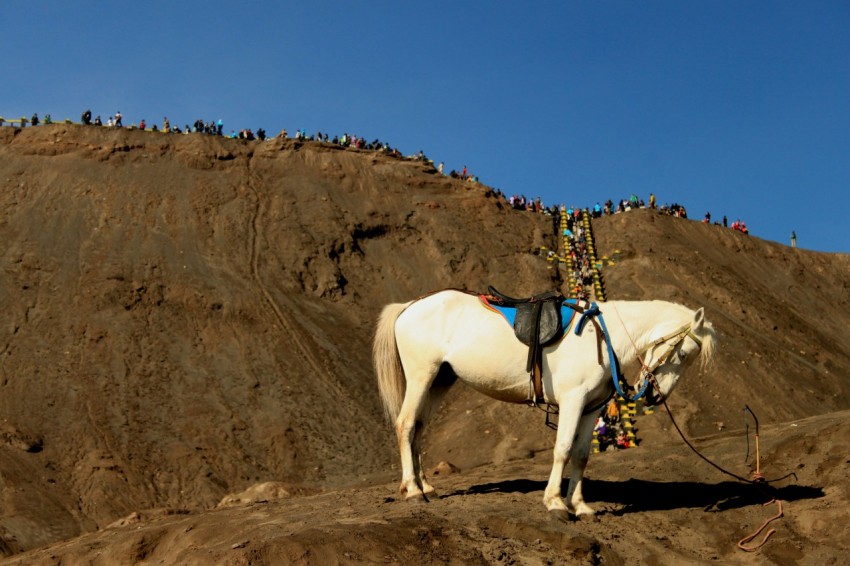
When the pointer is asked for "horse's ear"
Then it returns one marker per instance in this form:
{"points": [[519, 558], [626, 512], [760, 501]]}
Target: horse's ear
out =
{"points": [[699, 318]]}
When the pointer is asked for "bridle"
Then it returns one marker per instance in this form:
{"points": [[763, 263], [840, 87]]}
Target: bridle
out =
{"points": [[673, 340]]}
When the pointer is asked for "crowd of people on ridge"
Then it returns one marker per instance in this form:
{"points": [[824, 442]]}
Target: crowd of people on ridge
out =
{"points": [[216, 128], [517, 202], [623, 205]]}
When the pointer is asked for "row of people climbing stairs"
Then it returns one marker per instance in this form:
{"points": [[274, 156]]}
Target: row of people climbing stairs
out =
{"points": [[577, 255], [615, 426]]}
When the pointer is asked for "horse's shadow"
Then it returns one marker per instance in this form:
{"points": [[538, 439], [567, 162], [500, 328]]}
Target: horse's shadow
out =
{"points": [[635, 495]]}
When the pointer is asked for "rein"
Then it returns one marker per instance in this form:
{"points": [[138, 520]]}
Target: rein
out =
{"points": [[648, 372], [683, 332]]}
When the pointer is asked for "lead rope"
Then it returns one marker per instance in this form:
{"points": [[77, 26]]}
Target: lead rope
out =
{"points": [[758, 477], [745, 540], [757, 480]]}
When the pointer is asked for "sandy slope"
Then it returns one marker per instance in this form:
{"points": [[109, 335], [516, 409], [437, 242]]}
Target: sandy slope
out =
{"points": [[182, 315]]}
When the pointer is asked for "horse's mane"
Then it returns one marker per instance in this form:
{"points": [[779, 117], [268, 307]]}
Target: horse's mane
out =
{"points": [[709, 341]]}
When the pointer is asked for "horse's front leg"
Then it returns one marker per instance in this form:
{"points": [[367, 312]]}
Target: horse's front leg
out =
{"points": [[568, 419], [578, 462]]}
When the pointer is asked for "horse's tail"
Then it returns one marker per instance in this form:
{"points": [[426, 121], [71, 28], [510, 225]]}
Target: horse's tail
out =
{"points": [[388, 368]]}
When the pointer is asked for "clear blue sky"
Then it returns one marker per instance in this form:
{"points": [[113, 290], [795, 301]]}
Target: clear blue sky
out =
{"points": [[736, 108]]}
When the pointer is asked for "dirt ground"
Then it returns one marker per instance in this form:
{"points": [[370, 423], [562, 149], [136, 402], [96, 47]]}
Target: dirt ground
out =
{"points": [[185, 361], [656, 505]]}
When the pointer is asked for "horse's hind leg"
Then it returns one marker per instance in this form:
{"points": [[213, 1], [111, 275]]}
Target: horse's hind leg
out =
{"points": [[419, 398], [405, 428], [408, 428], [418, 470], [444, 380]]}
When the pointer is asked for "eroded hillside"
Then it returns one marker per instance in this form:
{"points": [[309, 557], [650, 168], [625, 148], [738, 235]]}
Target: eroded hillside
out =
{"points": [[184, 316]]}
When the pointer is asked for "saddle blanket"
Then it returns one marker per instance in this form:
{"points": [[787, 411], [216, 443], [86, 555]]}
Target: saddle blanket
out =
{"points": [[509, 313]]}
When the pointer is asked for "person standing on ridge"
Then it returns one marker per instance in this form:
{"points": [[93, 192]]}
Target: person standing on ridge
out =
{"points": [[793, 239]]}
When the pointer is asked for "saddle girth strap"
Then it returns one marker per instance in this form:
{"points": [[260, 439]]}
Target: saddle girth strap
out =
{"points": [[535, 355], [537, 382]]}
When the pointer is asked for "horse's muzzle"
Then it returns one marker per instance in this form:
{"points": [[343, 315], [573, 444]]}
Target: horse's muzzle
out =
{"points": [[652, 396]]}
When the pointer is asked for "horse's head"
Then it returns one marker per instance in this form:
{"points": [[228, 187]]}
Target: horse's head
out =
{"points": [[668, 356]]}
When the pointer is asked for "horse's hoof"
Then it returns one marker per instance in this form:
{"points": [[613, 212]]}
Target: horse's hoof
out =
{"points": [[430, 493], [588, 517], [560, 514], [417, 499]]}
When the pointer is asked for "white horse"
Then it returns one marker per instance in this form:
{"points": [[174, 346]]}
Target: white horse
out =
{"points": [[422, 346]]}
